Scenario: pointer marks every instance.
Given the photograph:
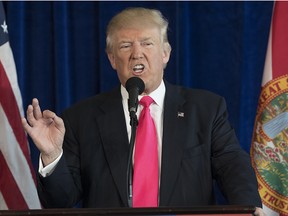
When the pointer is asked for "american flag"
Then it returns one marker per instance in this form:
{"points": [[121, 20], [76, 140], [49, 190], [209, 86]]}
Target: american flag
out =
{"points": [[17, 179]]}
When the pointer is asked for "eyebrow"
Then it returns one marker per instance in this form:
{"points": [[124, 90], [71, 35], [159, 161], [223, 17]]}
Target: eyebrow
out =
{"points": [[141, 40], [146, 39]]}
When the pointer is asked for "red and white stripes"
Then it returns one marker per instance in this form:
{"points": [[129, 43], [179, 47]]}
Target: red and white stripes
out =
{"points": [[17, 182]]}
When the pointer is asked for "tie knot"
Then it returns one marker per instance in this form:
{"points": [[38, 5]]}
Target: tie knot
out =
{"points": [[146, 101]]}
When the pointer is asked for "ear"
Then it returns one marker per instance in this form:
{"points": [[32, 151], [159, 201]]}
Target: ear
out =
{"points": [[166, 53], [111, 58]]}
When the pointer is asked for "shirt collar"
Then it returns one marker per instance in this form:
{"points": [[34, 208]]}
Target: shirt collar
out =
{"points": [[157, 95]]}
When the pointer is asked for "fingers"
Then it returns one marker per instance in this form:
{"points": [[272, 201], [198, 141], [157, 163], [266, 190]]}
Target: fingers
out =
{"points": [[48, 114], [30, 115], [36, 108], [58, 120], [25, 125], [34, 114], [53, 117]]}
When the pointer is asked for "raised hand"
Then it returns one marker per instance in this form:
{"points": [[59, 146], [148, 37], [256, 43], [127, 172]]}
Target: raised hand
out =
{"points": [[46, 130]]}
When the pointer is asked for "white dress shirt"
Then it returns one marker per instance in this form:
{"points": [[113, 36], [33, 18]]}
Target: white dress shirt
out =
{"points": [[156, 110]]}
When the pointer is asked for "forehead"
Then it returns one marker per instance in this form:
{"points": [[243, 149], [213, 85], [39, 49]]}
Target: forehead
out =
{"points": [[137, 34]]}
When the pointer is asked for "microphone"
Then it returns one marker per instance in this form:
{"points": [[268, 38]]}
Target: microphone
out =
{"points": [[135, 86]]}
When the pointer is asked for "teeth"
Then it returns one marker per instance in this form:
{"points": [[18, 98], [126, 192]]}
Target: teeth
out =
{"points": [[138, 68]]}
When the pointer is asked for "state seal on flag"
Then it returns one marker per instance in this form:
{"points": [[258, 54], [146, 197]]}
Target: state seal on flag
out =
{"points": [[270, 144]]}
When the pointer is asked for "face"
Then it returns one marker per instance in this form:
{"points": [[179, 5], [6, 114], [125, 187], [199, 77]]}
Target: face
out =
{"points": [[139, 52]]}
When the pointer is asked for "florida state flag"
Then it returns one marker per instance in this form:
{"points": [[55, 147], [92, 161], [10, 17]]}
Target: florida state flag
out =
{"points": [[269, 149]]}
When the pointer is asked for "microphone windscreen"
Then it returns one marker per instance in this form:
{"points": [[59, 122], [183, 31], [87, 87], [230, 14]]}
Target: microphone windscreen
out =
{"points": [[133, 82]]}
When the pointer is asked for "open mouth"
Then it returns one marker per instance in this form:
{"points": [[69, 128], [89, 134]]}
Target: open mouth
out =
{"points": [[138, 68]]}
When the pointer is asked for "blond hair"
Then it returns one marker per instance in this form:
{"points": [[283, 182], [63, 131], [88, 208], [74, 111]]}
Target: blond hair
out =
{"points": [[135, 18]]}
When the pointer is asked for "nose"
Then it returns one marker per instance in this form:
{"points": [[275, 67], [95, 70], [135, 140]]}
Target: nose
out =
{"points": [[137, 51]]}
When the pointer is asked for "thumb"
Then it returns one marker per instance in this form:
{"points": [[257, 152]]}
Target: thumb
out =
{"points": [[54, 118]]}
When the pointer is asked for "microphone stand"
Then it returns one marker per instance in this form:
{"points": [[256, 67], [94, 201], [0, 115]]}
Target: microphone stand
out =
{"points": [[134, 124], [135, 86]]}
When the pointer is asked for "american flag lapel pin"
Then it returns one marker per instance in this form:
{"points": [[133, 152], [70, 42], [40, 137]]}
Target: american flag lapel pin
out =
{"points": [[180, 114]]}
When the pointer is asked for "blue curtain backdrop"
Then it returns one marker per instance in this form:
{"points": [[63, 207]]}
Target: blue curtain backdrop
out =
{"points": [[59, 50]]}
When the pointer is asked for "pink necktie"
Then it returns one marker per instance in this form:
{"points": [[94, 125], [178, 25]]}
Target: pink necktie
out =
{"points": [[145, 177]]}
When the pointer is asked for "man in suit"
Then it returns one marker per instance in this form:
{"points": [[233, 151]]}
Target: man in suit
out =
{"points": [[84, 154]]}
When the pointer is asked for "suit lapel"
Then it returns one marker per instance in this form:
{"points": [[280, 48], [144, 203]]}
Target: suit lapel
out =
{"points": [[172, 145], [115, 140]]}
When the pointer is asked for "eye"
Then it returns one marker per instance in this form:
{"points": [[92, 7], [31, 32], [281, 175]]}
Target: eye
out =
{"points": [[125, 45], [147, 43]]}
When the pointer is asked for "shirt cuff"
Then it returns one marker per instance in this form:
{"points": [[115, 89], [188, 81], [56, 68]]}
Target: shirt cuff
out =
{"points": [[48, 170]]}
